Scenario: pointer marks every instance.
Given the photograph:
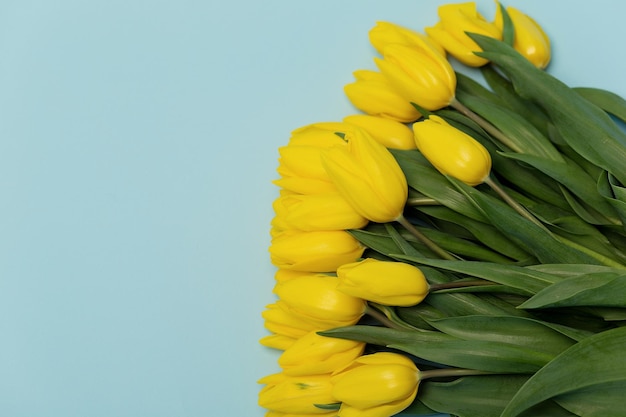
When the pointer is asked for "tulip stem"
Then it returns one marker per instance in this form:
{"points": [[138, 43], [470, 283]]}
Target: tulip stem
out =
{"points": [[422, 201], [458, 284], [381, 317], [489, 128], [447, 372], [426, 241], [511, 202]]}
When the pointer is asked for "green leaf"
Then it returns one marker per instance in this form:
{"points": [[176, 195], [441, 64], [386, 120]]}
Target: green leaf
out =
{"points": [[592, 362], [606, 100], [519, 331], [615, 194], [587, 129], [538, 241], [522, 278], [485, 233], [480, 396], [406, 248], [601, 400], [596, 290], [571, 176], [508, 29]]}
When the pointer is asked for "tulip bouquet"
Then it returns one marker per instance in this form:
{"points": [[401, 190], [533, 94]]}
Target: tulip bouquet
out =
{"points": [[458, 246]]}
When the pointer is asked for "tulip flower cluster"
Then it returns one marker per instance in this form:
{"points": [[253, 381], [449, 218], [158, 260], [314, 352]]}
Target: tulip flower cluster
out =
{"points": [[476, 232]]}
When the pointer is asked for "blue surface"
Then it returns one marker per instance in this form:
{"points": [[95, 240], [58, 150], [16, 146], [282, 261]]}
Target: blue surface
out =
{"points": [[137, 147]]}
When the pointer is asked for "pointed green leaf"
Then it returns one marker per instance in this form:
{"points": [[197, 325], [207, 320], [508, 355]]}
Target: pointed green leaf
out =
{"points": [[597, 290], [615, 194], [585, 127], [594, 361], [601, 400], [467, 396], [606, 100]]}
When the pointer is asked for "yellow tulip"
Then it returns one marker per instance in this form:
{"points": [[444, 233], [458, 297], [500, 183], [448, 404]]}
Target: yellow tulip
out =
{"points": [[277, 341], [385, 33], [316, 299], [373, 94], [368, 177], [377, 385], [279, 414], [316, 212], [313, 354], [296, 394], [530, 39], [421, 75], [450, 32], [279, 320], [451, 151], [299, 163], [318, 251], [392, 134], [386, 283]]}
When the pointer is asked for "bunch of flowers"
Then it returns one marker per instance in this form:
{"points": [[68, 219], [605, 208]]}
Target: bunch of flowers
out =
{"points": [[453, 248]]}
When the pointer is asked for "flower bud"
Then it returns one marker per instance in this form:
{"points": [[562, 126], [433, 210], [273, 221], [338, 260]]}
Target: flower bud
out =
{"points": [[450, 32], [299, 164], [377, 385], [386, 33], [313, 354], [386, 283], [373, 94], [316, 212], [319, 251], [296, 394], [451, 151], [388, 132], [316, 298], [421, 75], [530, 40], [368, 177]]}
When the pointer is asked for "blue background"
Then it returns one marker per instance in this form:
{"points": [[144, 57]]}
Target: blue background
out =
{"points": [[138, 141]]}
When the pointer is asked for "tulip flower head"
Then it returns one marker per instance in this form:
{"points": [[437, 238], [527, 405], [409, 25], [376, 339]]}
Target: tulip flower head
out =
{"points": [[328, 211], [530, 40], [377, 385], [368, 177], [313, 354], [296, 395], [450, 32], [419, 74], [390, 133], [317, 251], [386, 283], [316, 299], [373, 94], [386, 33], [451, 151]]}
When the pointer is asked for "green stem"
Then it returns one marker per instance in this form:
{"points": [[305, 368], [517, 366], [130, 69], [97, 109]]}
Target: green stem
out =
{"points": [[489, 128], [447, 372], [458, 284], [422, 201], [604, 260], [511, 202], [426, 241], [372, 312]]}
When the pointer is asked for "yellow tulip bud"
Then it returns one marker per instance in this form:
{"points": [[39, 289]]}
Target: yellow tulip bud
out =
{"points": [[277, 341], [386, 283], [390, 133], [285, 274], [421, 75], [279, 320], [316, 298], [377, 385], [530, 39], [319, 251], [368, 177], [313, 354], [279, 414], [299, 164], [296, 394], [316, 212], [451, 151], [373, 94], [450, 32], [385, 33]]}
